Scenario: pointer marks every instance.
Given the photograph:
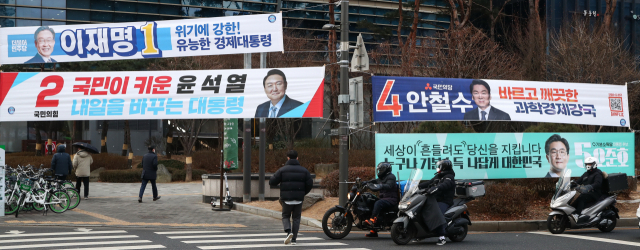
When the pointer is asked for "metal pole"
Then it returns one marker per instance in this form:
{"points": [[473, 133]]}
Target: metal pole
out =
{"points": [[263, 140], [343, 99], [246, 138]]}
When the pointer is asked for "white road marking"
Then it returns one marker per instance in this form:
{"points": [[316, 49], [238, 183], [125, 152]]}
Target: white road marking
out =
{"points": [[68, 238], [605, 240], [76, 244], [63, 234], [189, 232], [227, 236], [120, 247], [273, 245], [248, 240]]}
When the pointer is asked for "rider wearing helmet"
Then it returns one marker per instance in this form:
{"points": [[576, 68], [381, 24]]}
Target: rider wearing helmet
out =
{"points": [[388, 189], [589, 185], [443, 187]]}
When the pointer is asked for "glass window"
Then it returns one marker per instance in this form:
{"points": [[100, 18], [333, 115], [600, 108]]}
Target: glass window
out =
{"points": [[148, 8], [28, 12], [53, 23], [214, 3], [29, 2], [54, 14], [146, 18], [170, 1], [80, 4], [101, 16], [191, 11], [169, 10], [154, 1], [211, 12], [78, 15], [272, 8], [7, 22], [101, 5], [54, 3], [124, 6], [23, 23], [232, 5], [252, 6], [8, 1], [7, 11], [122, 17]]}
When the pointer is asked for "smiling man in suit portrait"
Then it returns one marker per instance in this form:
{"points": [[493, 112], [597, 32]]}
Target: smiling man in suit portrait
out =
{"points": [[275, 86], [481, 95], [45, 41]]}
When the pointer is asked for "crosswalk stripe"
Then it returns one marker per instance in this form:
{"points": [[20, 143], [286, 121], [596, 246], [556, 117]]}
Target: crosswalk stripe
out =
{"points": [[68, 238], [247, 240], [189, 232], [273, 245], [61, 234], [76, 244], [226, 236], [621, 242], [120, 247]]}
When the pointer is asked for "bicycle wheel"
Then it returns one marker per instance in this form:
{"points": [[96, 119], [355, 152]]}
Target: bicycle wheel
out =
{"points": [[59, 200], [37, 206], [11, 202], [74, 198], [20, 199]]}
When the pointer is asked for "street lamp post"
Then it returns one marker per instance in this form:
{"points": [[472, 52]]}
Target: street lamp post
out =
{"points": [[343, 99]]}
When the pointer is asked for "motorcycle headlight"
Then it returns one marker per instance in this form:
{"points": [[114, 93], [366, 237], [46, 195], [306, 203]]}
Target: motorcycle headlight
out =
{"points": [[349, 196], [404, 206]]}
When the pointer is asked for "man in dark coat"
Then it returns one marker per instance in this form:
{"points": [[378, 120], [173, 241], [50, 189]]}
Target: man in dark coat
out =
{"points": [[61, 163], [295, 182], [589, 185], [149, 168], [388, 189], [275, 86], [443, 187]]}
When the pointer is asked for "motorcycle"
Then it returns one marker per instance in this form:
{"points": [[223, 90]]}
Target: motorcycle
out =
{"points": [[410, 224], [602, 215], [338, 221]]}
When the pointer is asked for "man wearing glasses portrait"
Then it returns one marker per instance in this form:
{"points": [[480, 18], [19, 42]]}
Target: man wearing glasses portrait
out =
{"points": [[557, 150], [45, 40]]}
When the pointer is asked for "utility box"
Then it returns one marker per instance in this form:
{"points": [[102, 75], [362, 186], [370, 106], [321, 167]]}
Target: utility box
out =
{"points": [[469, 188]]}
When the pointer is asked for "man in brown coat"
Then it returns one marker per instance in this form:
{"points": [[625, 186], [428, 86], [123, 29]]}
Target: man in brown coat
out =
{"points": [[82, 163]]}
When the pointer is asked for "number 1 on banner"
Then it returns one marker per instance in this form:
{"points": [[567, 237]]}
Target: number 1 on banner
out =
{"points": [[150, 40], [395, 106]]}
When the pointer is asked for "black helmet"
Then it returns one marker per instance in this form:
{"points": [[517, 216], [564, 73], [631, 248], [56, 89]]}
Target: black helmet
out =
{"points": [[444, 165], [383, 169]]}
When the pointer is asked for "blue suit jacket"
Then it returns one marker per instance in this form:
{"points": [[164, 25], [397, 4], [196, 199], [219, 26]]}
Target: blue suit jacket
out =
{"points": [[288, 105], [38, 59]]}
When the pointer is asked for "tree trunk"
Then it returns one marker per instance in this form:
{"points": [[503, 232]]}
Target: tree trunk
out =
{"points": [[38, 139], [493, 22], [169, 141], [126, 145], [188, 167], [608, 13], [103, 140]]}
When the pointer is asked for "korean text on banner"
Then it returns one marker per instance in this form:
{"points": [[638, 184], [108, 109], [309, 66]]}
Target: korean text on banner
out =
{"points": [[507, 155], [441, 99], [202, 94], [137, 40], [230, 144]]}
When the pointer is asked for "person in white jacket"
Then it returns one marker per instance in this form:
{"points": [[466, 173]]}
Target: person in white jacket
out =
{"points": [[82, 163]]}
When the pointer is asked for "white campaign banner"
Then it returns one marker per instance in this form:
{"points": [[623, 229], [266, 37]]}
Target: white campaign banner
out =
{"points": [[195, 94], [137, 40]]}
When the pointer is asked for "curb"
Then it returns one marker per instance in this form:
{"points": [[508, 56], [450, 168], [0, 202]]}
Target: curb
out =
{"points": [[274, 214], [484, 226]]}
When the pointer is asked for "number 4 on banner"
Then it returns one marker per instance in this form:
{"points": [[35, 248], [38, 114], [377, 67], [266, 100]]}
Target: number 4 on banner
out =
{"points": [[395, 106]]}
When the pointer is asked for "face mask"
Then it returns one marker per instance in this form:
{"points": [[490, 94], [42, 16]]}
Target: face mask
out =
{"points": [[589, 167], [438, 170]]}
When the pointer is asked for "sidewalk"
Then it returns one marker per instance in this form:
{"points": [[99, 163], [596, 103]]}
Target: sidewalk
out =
{"points": [[116, 204]]}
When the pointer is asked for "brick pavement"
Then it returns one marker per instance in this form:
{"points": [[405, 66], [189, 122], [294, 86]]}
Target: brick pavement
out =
{"points": [[116, 204]]}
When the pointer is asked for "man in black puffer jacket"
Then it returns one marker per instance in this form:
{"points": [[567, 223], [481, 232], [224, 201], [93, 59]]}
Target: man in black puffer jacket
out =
{"points": [[589, 185], [61, 163], [443, 186], [388, 189], [295, 182]]}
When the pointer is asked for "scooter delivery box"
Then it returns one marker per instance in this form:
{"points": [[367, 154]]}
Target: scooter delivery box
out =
{"points": [[469, 188], [617, 182]]}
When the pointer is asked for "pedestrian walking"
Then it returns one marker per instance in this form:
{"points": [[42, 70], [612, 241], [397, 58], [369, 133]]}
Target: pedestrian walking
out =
{"points": [[149, 169], [82, 163], [61, 163], [295, 182]]}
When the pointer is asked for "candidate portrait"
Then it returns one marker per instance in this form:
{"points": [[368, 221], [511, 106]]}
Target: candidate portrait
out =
{"points": [[45, 41], [481, 95], [275, 87], [557, 151]]}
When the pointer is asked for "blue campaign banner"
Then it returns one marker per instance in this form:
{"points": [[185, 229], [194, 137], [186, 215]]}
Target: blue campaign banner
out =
{"points": [[397, 99], [506, 155], [138, 40]]}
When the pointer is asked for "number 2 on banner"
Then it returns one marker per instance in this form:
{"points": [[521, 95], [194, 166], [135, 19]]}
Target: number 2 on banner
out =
{"points": [[59, 82], [150, 40], [395, 106]]}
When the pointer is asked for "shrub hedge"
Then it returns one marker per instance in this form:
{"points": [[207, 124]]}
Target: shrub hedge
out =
{"points": [[121, 176], [168, 164], [180, 174], [330, 182], [505, 199]]}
